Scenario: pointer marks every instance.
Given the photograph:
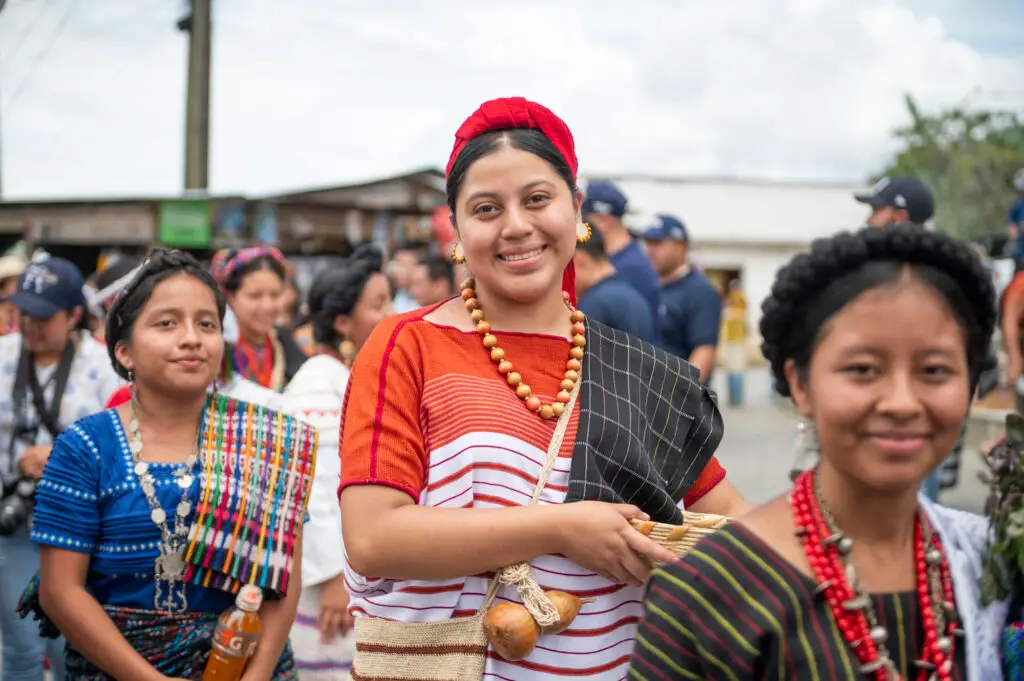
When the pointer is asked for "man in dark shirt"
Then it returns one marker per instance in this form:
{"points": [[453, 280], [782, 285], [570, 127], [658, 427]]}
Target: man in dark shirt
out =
{"points": [[603, 208], [605, 297], [691, 307], [895, 200]]}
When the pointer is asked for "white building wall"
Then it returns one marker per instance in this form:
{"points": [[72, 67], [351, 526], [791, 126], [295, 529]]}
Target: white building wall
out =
{"points": [[755, 227], [757, 266]]}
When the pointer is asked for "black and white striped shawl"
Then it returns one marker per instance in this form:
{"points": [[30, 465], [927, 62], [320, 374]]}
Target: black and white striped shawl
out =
{"points": [[647, 426]]}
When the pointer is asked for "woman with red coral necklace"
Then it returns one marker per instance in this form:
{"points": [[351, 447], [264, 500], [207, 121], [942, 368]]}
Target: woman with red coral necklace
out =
{"points": [[454, 421], [878, 337], [253, 280]]}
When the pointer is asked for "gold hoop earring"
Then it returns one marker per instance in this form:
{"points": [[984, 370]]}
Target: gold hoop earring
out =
{"points": [[458, 257], [347, 350], [583, 232]]}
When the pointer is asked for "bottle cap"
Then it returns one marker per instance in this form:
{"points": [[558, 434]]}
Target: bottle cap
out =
{"points": [[250, 598]]}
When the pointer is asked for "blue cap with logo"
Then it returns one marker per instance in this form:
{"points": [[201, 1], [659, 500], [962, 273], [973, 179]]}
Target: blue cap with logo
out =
{"points": [[666, 227], [47, 287], [604, 198], [908, 193]]}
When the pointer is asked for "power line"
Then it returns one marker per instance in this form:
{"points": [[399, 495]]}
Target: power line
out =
{"points": [[43, 6], [42, 55]]}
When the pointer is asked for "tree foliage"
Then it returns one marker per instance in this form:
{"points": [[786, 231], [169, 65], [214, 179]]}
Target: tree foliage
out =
{"points": [[968, 158]]}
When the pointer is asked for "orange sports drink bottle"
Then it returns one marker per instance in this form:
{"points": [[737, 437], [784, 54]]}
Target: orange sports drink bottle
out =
{"points": [[234, 641]]}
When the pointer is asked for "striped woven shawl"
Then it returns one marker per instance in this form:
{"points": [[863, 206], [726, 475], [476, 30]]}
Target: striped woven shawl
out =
{"points": [[256, 473], [647, 428]]}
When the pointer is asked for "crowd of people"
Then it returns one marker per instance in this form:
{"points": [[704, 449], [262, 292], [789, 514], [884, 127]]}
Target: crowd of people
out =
{"points": [[409, 443]]}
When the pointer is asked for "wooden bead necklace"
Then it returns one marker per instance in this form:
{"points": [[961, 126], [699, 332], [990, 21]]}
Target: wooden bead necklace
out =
{"points": [[514, 378], [828, 552]]}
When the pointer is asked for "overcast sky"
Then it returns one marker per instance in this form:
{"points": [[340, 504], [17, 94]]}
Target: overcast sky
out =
{"points": [[320, 92]]}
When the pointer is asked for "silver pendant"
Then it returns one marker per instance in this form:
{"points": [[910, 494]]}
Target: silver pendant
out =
{"points": [[158, 515], [185, 481], [184, 508], [141, 468], [170, 567]]}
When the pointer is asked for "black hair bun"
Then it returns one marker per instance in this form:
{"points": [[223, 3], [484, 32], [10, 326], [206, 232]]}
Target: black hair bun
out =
{"points": [[367, 256], [799, 283]]}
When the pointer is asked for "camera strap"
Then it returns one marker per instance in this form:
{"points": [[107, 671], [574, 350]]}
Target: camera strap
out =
{"points": [[26, 381]]}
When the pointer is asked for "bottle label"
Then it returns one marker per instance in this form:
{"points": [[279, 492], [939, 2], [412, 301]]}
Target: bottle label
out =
{"points": [[235, 643]]}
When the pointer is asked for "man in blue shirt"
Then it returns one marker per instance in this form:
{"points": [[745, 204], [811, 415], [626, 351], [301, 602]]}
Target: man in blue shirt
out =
{"points": [[691, 307], [1015, 221], [603, 209], [605, 297]]}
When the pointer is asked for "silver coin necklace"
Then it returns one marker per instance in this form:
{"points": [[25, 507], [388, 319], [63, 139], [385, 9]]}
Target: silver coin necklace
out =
{"points": [[169, 570]]}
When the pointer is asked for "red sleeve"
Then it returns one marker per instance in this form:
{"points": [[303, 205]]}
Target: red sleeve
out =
{"points": [[1014, 289], [712, 474], [381, 437], [121, 396]]}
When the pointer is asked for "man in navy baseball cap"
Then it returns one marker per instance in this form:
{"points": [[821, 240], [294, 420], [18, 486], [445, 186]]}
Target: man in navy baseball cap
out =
{"points": [[48, 287], [604, 198], [690, 314], [603, 208], [899, 199]]}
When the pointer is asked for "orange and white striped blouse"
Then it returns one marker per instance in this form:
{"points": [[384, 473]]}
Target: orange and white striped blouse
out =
{"points": [[429, 414]]}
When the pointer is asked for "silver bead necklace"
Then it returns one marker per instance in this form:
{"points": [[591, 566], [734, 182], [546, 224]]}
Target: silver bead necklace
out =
{"points": [[169, 570]]}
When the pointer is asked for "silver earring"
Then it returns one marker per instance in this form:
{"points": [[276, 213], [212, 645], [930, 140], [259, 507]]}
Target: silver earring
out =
{"points": [[805, 450]]}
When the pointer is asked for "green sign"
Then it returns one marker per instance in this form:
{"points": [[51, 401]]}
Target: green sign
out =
{"points": [[185, 223]]}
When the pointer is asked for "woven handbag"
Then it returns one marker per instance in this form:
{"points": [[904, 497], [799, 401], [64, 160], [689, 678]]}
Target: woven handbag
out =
{"points": [[453, 649]]}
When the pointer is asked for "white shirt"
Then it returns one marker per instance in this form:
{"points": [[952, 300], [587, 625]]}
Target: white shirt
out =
{"points": [[91, 383], [315, 395]]}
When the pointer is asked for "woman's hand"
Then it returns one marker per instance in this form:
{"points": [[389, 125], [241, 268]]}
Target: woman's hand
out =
{"points": [[334, 619], [598, 536]]}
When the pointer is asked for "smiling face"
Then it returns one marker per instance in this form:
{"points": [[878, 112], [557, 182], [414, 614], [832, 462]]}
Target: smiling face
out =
{"points": [[176, 344], [257, 303], [516, 220], [887, 386]]}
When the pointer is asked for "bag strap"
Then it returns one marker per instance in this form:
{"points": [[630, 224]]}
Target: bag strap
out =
{"points": [[519, 574]]}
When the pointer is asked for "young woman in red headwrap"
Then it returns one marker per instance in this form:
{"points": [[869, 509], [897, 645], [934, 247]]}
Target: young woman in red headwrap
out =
{"points": [[452, 410]]}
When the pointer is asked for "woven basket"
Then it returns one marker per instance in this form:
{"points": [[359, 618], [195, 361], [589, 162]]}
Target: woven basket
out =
{"points": [[679, 539]]}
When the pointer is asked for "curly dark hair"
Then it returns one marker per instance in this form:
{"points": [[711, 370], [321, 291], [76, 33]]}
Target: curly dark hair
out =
{"points": [[815, 285], [336, 291], [162, 264]]}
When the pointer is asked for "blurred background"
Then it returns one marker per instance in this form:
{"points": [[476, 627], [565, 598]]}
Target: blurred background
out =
{"points": [[319, 125]]}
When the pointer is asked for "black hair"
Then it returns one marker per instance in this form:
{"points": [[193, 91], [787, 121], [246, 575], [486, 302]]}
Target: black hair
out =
{"points": [[594, 247], [414, 247], [119, 266], [264, 262], [814, 286], [162, 264], [337, 290], [533, 141], [439, 267]]}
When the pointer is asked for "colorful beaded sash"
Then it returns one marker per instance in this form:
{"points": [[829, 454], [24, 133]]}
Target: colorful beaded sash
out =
{"points": [[256, 474], [1012, 649]]}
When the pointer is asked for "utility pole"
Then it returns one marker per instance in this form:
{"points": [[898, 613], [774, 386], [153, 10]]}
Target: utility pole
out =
{"points": [[2, 3], [198, 24]]}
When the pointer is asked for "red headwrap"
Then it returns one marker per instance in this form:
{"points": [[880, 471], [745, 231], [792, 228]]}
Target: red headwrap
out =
{"points": [[511, 113]]}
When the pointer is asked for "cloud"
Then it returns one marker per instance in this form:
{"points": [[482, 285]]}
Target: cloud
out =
{"points": [[320, 92]]}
